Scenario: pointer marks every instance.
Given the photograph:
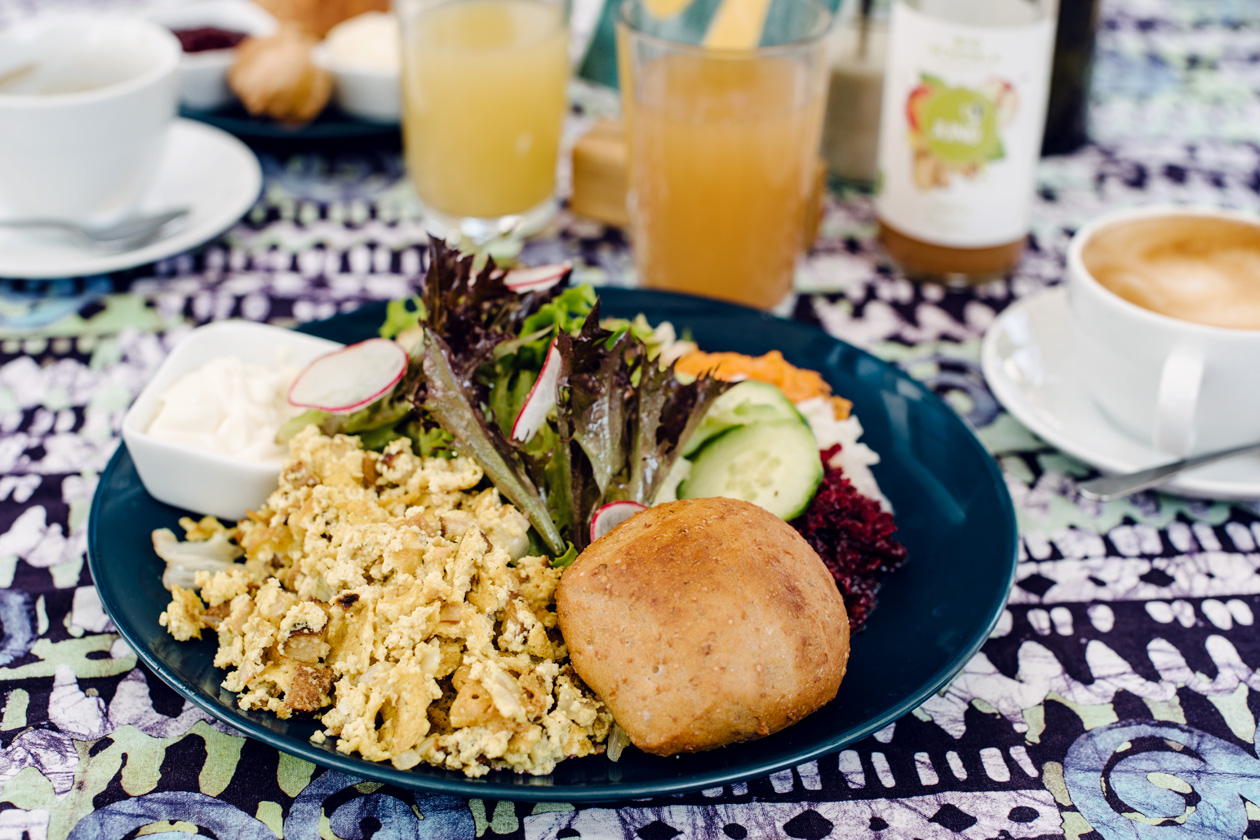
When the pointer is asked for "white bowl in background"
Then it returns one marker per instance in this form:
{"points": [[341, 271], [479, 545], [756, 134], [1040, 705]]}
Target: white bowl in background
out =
{"points": [[203, 75], [194, 479], [372, 95], [363, 56]]}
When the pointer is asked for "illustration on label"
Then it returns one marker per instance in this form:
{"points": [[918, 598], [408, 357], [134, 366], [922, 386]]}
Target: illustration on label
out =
{"points": [[954, 132]]}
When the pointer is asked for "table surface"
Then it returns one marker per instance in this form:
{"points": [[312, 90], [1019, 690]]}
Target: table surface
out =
{"points": [[1131, 622]]}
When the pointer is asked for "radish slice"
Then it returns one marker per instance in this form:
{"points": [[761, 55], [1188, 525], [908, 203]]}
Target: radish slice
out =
{"points": [[536, 279], [541, 399], [611, 515], [348, 379]]}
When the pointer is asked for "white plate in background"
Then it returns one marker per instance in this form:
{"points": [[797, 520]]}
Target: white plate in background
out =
{"points": [[1029, 358], [203, 168]]}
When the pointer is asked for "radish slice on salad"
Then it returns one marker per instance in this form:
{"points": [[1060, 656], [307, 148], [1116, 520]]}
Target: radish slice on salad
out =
{"points": [[541, 399], [611, 515], [536, 279], [348, 379]]}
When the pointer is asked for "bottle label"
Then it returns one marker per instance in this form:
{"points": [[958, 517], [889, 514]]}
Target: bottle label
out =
{"points": [[960, 128]]}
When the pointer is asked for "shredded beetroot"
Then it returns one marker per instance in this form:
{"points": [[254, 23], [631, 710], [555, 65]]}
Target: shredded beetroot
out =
{"points": [[853, 536]]}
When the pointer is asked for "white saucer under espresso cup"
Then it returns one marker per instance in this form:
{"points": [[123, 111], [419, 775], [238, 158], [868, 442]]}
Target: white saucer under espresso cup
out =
{"points": [[1165, 302], [84, 111]]}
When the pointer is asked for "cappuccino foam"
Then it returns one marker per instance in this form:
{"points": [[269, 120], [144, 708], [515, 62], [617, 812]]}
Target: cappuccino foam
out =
{"points": [[1194, 268]]}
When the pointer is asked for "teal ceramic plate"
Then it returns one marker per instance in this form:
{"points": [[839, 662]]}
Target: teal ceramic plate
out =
{"points": [[331, 124], [953, 513]]}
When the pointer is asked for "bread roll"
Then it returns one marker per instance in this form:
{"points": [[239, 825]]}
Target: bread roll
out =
{"points": [[276, 77], [704, 622]]}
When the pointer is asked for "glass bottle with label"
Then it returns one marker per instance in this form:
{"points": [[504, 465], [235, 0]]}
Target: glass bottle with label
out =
{"points": [[960, 133]]}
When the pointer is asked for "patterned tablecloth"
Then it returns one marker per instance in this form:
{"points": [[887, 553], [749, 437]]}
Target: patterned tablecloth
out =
{"points": [[1130, 622]]}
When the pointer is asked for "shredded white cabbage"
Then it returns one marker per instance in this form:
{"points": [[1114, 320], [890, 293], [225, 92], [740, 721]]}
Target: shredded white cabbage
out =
{"points": [[185, 559], [854, 459]]}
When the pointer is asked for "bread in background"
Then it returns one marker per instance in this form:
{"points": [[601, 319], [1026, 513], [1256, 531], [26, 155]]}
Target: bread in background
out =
{"points": [[316, 17], [276, 77]]}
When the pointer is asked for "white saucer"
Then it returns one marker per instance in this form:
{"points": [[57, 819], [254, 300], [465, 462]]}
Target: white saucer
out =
{"points": [[203, 168], [1028, 357]]}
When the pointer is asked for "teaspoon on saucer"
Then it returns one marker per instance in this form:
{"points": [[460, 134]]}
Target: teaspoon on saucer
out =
{"points": [[1111, 487], [120, 236]]}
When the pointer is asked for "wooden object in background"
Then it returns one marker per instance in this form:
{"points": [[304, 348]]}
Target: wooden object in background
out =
{"points": [[599, 174], [814, 204]]}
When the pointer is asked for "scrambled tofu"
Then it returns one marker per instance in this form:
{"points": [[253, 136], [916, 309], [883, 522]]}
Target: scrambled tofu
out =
{"points": [[383, 593]]}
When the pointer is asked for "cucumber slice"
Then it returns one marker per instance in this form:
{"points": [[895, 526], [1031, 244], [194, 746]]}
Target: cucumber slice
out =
{"points": [[775, 465], [744, 403]]}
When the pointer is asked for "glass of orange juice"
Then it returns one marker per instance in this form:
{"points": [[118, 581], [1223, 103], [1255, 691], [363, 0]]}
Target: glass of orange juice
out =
{"points": [[484, 97], [724, 117]]}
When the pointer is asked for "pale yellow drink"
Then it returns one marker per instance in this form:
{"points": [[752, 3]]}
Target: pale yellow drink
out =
{"points": [[484, 99]]}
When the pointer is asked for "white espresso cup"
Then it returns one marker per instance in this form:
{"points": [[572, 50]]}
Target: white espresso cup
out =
{"points": [[85, 103], [1165, 304]]}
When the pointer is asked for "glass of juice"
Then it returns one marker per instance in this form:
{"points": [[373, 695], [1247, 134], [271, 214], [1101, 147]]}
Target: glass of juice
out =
{"points": [[723, 104], [484, 97]]}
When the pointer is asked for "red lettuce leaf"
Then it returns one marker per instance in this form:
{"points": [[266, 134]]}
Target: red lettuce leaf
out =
{"points": [[451, 400], [667, 413], [473, 310], [622, 420], [596, 387]]}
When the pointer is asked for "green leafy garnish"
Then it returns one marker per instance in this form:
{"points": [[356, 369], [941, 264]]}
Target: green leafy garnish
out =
{"points": [[476, 349]]}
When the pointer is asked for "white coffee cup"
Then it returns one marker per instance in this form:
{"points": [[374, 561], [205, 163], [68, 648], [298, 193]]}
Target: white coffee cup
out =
{"points": [[1165, 304], [85, 103]]}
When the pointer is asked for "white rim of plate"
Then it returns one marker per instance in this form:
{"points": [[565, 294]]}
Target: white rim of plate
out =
{"points": [[1013, 399]]}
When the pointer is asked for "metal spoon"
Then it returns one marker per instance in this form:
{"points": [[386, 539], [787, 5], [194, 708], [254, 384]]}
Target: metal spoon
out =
{"points": [[120, 236], [1110, 487]]}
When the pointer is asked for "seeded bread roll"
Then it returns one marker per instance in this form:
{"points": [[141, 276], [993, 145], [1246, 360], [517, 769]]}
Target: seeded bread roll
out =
{"points": [[704, 622], [276, 77]]}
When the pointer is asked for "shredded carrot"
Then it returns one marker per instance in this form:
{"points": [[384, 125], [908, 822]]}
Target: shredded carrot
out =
{"points": [[797, 384]]}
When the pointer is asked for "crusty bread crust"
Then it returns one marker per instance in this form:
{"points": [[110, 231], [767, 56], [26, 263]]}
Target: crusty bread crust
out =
{"points": [[704, 622]]}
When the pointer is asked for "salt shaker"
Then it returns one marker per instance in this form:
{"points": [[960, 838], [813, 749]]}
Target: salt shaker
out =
{"points": [[857, 48]]}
